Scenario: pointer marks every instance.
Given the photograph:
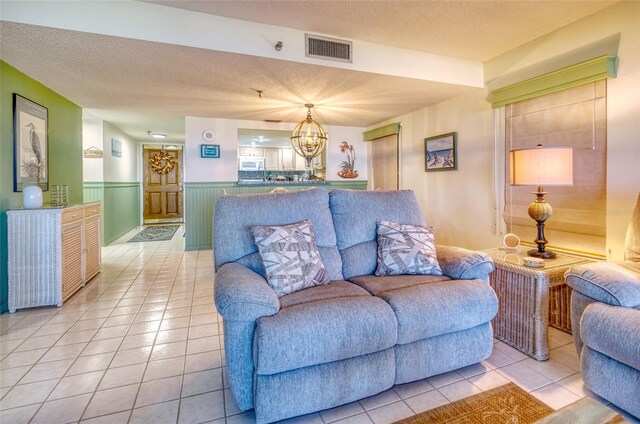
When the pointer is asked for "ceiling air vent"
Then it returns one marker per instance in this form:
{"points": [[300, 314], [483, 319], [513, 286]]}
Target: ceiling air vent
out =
{"points": [[328, 48]]}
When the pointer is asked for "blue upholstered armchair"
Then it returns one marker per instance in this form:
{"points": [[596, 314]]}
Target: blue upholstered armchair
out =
{"points": [[605, 314]]}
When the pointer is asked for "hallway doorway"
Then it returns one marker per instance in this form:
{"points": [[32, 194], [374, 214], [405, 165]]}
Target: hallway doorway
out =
{"points": [[162, 184]]}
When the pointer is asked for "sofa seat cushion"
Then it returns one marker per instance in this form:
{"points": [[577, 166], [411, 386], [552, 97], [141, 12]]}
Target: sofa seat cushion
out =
{"points": [[378, 285], [438, 307], [332, 290], [324, 331]]}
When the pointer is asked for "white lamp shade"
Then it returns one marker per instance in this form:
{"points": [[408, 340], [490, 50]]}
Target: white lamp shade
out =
{"points": [[32, 197], [542, 166]]}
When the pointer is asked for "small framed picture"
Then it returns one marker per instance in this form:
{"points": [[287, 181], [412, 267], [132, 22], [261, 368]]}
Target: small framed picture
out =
{"points": [[116, 148], [440, 152], [209, 150]]}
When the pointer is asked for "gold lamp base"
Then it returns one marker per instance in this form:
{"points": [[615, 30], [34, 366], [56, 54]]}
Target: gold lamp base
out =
{"points": [[540, 211]]}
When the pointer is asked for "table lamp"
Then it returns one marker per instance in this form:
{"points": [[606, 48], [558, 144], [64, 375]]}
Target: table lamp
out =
{"points": [[539, 166]]}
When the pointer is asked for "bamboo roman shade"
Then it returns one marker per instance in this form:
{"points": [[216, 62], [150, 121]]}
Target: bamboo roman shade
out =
{"points": [[384, 152], [575, 118], [385, 156]]}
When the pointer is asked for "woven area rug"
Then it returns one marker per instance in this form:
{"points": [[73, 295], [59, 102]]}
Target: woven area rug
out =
{"points": [[504, 404], [155, 233]]}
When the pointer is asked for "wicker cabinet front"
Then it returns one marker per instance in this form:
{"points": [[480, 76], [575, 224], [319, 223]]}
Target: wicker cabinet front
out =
{"points": [[52, 253], [523, 312], [530, 300]]}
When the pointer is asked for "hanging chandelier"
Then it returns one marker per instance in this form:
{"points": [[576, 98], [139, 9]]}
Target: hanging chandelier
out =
{"points": [[308, 138]]}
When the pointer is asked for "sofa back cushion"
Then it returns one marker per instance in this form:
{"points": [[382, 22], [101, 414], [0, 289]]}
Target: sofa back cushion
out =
{"points": [[355, 216], [235, 215]]}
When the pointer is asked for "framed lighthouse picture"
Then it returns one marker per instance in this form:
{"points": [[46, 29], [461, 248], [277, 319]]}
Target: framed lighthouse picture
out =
{"points": [[30, 144]]}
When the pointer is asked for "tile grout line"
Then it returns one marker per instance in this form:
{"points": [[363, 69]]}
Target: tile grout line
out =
{"points": [[108, 367], [51, 347], [152, 349], [84, 411]]}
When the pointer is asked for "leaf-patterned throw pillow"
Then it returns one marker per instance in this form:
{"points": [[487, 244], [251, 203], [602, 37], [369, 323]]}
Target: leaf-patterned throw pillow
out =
{"points": [[406, 249], [290, 256]]}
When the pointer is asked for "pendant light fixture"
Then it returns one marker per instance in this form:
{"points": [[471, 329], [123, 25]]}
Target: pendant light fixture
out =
{"points": [[308, 138]]}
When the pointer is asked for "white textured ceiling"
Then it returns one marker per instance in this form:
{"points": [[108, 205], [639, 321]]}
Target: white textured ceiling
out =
{"points": [[129, 82], [475, 30], [141, 85]]}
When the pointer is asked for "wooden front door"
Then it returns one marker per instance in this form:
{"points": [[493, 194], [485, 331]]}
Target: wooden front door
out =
{"points": [[162, 185]]}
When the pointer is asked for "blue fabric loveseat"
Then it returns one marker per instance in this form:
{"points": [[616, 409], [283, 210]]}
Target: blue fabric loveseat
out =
{"points": [[356, 336]]}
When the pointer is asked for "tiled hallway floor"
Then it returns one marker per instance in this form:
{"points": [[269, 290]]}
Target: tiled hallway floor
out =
{"points": [[142, 343]]}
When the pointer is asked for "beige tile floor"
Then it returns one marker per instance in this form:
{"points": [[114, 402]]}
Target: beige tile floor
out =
{"points": [[142, 343]]}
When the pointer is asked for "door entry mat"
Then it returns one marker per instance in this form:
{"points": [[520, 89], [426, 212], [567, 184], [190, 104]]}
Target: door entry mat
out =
{"points": [[155, 233]]}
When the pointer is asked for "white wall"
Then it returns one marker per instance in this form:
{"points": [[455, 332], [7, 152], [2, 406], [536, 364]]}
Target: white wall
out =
{"points": [[458, 204], [125, 168], [92, 168], [615, 31], [225, 169], [98, 133]]}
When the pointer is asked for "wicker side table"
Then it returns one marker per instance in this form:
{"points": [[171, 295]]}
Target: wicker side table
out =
{"points": [[525, 306]]}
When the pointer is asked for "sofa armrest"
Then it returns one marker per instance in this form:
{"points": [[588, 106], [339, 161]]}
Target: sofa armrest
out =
{"points": [[464, 264], [242, 295], [613, 331], [606, 282]]}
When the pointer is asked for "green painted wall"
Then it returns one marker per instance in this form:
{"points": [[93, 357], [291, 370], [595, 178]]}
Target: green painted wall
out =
{"points": [[65, 149], [200, 199], [120, 207]]}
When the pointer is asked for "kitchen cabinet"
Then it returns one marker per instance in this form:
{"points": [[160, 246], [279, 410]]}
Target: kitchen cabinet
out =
{"points": [[301, 163], [252, 151], [53, 252], [318, 161], [272, 159], [288, 162], [294, 160]]}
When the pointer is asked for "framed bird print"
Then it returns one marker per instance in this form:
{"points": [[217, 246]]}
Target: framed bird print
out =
{"points": [[30, 144]]}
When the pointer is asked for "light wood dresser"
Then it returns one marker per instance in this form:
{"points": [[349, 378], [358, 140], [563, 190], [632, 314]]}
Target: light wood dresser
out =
{"points": [[53, 252]]}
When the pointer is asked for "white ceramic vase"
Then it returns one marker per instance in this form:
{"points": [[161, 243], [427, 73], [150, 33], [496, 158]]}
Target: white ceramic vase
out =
{"points": [[32, 197]]}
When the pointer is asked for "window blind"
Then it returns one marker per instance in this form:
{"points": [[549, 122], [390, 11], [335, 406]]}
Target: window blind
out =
{"points": [[385, 162], [576, 118]]}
